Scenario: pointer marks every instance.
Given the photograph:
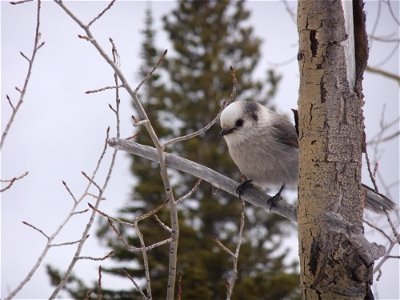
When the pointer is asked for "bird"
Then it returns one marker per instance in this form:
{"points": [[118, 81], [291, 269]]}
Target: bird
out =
{"points": [[264, 146]]}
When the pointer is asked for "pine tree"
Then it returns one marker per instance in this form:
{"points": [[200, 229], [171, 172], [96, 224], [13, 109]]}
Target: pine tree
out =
{"points": [[207, 38]]}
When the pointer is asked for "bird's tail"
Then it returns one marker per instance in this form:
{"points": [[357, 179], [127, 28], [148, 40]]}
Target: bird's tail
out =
{"points": [[377, 202]]}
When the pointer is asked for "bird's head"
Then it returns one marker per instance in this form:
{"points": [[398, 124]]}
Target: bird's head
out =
{"points": [[240, 119]]}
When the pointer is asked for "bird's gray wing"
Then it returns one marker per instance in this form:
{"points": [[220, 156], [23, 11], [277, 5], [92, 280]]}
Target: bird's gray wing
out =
{"points": [[285, 132]]}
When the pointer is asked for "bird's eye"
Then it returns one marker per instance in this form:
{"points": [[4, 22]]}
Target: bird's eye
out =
{"points": [[239, 122]]}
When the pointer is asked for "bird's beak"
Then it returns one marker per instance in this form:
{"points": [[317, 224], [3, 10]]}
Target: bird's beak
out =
{"points": [[226, 131]]}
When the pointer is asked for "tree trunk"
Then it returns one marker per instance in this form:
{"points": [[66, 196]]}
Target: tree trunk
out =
{"points": [[331, 144]]}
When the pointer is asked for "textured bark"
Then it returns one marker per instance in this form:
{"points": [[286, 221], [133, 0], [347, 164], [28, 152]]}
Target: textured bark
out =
{"points": [[331, 143]]}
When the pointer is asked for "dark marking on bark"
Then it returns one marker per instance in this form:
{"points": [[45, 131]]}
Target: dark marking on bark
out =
{"points": [[314, 43], [314, 256], [311, 113], [322, 90], [361, 41]]}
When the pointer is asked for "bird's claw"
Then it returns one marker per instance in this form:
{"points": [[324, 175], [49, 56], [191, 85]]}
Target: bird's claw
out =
{"points": [[274, 199], [243, 186]]}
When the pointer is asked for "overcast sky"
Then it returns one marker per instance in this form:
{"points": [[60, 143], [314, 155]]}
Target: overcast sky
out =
{"points": [[60, 130]]}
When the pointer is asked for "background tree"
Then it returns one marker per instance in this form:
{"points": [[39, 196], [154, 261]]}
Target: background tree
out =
{"points": [[207, 37]]}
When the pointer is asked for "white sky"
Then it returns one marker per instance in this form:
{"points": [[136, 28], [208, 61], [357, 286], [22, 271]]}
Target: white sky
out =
{"points": [[60, 131]]}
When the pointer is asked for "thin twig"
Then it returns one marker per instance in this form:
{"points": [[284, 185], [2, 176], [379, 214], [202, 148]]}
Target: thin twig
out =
{"points": [[384, 258], [378, 229], [69, 191], [162, 224], [212, 122], [223, 247], [370, 172], [236, 255], [37, 229], [88, 295], [69, 215], [145, 261], [11, 181], [190, 193], [91, 180], [97, 258], [101, 13], [392, 12], [135, 284], [99, 292], [20, 2], [104, 89], [133, 248], [162, 56], [36, 47], [290, 11], [139, 218], [9, 102], [66, 243], [383, 73]]}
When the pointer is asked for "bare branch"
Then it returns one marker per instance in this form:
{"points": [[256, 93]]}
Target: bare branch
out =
{"points": [[393, 227], [66, 243], [384, 39], [69, 191], [135, 284], [37, 229], [231, 281], [28, 75], [91, 180], [139, 218], [223, 247], [9, 102], [378, 229], [251, 195], [99, 292], [133, 248], [290, 11], [101, 13], [20, 2], [162, 224], [162, 56], [97, 258], [384, 258], [190, 193], [371, 173], [386, 138], [145, 260], [69, 215], [104, 89], [137, 122], [383, 73], [388, 3], [24, 56], [11, 181], [88, 295]]}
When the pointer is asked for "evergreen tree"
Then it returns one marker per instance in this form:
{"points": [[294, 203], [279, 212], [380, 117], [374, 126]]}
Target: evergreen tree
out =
{"points": [[207, 37]]}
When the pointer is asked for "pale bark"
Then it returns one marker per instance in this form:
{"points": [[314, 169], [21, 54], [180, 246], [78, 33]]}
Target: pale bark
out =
{"points": [[331, 144]]}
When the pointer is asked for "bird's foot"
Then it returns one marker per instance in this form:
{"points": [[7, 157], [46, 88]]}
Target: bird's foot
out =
{"points": [[274, 199], [243, 186]]}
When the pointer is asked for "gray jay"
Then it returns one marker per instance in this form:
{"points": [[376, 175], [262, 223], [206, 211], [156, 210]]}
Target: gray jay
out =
{"points": [[264, 146]]}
